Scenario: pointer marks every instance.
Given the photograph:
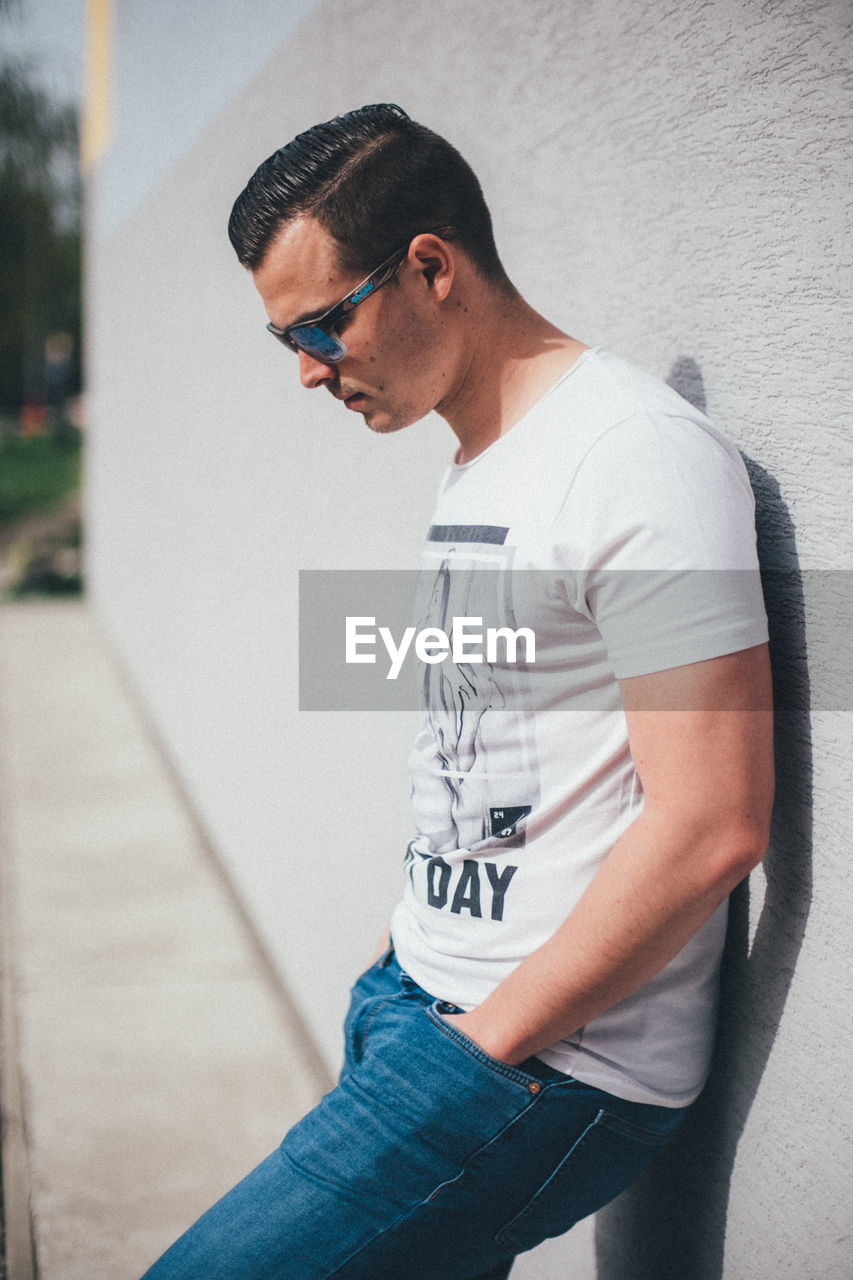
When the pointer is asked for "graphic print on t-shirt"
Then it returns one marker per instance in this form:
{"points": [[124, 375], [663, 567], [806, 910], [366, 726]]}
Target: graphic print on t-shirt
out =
{"points": [[475, 778], [505, 821]]}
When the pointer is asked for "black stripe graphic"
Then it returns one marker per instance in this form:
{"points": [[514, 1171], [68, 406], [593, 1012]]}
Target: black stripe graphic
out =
{"points": [[491, 533]]}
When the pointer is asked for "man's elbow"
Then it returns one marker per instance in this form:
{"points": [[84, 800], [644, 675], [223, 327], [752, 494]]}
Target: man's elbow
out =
{"points": [[740, 833], [739, 849]]}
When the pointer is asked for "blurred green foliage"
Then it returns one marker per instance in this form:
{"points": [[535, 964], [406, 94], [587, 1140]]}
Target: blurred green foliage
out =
{"points": [[36, 473], [40, 204]]}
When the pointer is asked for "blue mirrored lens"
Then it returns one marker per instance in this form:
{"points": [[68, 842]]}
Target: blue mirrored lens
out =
{"points": [[317, 342]]}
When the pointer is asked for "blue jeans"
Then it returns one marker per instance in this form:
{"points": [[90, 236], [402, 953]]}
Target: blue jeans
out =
{"points": [[429, 1161]]}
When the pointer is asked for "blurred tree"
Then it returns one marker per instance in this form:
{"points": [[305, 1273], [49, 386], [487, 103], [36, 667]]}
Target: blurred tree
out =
{"points": [[40, 202]]}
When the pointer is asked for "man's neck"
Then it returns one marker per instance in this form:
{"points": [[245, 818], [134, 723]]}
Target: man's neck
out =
{"points": [[512, 357]]}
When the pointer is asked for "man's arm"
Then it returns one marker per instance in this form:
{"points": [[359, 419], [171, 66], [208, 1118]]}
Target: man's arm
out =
{"points": [[707, 774]]}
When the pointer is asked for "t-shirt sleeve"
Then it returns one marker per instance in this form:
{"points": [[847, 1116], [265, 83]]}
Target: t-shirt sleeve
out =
{"points": [[657, 537]]}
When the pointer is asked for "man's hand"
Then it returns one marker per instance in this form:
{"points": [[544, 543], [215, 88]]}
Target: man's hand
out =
{"points": [[701, 738], [382, 948]]}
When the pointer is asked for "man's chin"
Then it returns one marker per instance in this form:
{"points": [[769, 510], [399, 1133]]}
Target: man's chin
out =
{"points": [[381, 421]]}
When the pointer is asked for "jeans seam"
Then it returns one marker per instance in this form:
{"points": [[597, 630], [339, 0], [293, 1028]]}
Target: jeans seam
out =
{"points": [[447, 1182], [508, 1235], [630, 1129]]}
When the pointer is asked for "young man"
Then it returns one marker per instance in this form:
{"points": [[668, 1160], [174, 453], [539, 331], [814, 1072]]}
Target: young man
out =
{"points": [[542, 1016]]}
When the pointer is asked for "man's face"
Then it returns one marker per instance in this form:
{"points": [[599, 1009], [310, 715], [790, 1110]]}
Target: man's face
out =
{"points": [[394, 369]]}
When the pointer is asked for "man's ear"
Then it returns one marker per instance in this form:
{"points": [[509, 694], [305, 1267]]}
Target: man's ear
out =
{"points": [[433, 259]]}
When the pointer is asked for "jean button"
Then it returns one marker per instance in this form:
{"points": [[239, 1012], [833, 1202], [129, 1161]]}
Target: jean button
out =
{"points": [[534, 1087]]}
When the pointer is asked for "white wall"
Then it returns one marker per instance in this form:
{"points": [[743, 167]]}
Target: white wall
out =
{"points": [[668, 181]]}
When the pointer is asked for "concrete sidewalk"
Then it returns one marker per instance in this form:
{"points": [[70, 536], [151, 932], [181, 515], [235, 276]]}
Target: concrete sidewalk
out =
{"points": [[149, 1056]]}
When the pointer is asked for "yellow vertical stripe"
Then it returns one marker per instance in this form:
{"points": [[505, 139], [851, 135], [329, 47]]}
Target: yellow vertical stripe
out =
{"points": [[97, 103]]}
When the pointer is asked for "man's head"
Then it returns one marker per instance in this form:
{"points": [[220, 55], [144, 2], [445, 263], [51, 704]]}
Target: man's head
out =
{"points": [[373, 179], [371, 246]]}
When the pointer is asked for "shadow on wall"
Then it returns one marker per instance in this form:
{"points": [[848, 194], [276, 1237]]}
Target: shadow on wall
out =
{"points": [[671, 1225]]}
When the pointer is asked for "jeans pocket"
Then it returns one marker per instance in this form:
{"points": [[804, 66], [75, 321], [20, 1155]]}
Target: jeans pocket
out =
{"points": [[410, 1115], [371, 989], [533, 1074], [606, 1158]]}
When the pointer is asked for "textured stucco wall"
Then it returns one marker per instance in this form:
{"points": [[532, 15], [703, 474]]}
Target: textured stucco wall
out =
{"points": [[668, 180]]}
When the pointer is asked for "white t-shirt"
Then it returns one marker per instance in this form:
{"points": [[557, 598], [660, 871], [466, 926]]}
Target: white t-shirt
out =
{"points": [[616, 524]]}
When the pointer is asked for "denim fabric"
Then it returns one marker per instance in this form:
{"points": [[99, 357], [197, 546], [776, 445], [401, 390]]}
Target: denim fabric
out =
{"points": [[429, 1161]]}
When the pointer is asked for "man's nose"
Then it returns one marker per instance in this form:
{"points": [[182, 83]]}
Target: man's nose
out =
{"points": [[313, 372]]}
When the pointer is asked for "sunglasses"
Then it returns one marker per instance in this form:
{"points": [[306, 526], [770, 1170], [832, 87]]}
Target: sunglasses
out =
{"points": [[318, 337]]}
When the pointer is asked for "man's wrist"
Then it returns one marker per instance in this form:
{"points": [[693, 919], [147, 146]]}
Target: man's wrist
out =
{"points": [[502, 1047]]}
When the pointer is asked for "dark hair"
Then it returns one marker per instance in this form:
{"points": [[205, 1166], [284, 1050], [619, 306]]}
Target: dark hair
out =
{"points": [[373, 178]]}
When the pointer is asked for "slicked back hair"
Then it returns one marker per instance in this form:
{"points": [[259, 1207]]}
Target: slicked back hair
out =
{"points": [[374, 179]]}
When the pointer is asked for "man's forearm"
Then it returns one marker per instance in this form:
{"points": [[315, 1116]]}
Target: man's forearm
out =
{"points": [[707, 777], [658, 886]]}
